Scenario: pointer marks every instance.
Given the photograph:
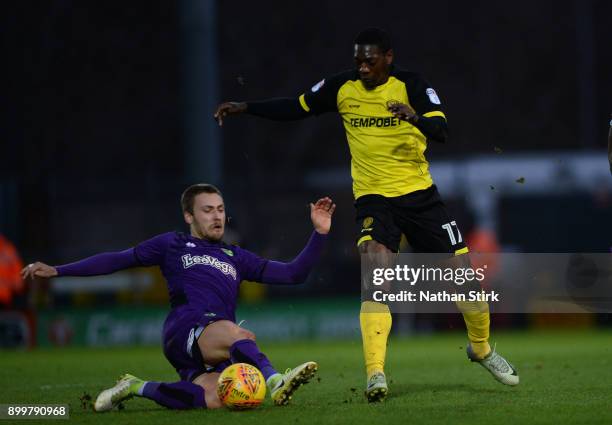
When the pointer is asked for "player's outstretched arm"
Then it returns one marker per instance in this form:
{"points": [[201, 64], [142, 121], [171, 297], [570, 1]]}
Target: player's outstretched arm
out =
{"points": [[279, 109], [298, 269], [105, 263]]}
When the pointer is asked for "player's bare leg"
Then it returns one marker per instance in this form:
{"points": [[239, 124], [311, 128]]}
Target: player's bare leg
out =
{"points": [[217, 338], [208, 381]]}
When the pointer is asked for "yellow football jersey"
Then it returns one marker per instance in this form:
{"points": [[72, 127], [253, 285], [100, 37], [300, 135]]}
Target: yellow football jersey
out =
{"points": [[387, 154]]}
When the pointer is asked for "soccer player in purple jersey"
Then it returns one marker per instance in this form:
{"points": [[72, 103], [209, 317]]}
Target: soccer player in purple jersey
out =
{"points": [[200, 336]]}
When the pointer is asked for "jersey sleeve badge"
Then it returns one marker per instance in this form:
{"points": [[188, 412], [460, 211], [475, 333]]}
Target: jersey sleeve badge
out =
{"points": [[317, 86], [433, 96]]}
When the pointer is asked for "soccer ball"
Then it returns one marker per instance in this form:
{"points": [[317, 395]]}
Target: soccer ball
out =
{"points": [[241, 386]]}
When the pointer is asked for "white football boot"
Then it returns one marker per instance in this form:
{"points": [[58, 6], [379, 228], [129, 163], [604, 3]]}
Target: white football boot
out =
{"points": [[376, 389], [125, 388], [283, 386], [500, 368]]}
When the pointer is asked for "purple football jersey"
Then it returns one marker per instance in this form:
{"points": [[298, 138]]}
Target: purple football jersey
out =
{"points": [[203, 280], [204, 275]]}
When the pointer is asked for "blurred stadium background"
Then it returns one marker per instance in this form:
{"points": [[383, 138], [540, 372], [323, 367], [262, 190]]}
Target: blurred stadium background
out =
{"points": [[108, 117]]}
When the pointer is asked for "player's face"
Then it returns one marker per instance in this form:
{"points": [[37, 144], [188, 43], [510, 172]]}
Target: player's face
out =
{"points": [[208, 218], [372, 64]]}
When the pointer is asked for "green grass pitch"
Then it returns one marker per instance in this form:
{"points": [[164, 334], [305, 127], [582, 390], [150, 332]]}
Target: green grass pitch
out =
{"points": [[565, 378]]}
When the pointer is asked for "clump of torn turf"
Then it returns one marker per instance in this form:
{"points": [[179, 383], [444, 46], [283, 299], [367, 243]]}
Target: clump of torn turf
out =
{"points": [[86, 402]]}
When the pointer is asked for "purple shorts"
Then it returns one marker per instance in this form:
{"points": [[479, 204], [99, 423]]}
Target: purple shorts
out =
{"points": [[182, 328]]}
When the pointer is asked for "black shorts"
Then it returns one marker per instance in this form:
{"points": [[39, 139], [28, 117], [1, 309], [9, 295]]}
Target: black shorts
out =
{"points": [[421, 216]]}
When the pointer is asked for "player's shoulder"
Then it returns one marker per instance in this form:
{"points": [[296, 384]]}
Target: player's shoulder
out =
{"points": [[335, 81], [234, 250], [153, 250], [173, 240], [176, 236], [240, 253]]}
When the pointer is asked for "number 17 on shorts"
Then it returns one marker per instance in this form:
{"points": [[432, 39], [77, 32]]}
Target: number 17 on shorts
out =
{"points": [[453, 232]]}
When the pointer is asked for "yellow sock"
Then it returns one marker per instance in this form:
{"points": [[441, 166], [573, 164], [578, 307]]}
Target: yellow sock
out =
{"points": [[375, 320], [477, 320]]}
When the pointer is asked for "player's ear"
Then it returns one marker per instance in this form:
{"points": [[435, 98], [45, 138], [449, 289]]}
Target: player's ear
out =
{"points": [[188, 217], [389, 56]]}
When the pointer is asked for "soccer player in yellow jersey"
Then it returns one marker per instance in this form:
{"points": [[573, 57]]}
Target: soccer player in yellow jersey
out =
{"points": [[389, 115]]}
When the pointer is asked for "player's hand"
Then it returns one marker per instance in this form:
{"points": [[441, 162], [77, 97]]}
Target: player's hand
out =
{"points": [[321, 213], [229, 108], [403, 112], [38, 269]]}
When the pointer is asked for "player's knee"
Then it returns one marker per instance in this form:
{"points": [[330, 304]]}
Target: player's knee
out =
{"points": [[220, 336], [237, 333], [246, 334]]}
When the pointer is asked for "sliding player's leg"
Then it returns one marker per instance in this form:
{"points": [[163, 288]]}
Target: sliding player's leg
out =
{"points": [[174, 395], [224, 340], [179, 331], [219, 344]]}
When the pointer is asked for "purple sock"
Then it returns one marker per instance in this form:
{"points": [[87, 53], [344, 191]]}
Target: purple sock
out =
{"points": [[175, 395], [246, 351]]}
